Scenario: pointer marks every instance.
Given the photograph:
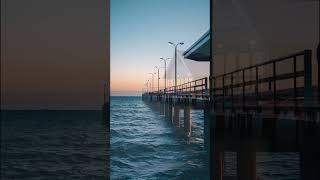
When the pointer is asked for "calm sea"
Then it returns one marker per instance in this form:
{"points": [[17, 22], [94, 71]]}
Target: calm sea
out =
{"points": [[53, 145], [145, 145]]}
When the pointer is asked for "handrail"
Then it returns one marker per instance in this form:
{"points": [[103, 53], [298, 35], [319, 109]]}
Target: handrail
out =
{"points": [[227, 95], [223, 97], [198, 88], [264, 63]]}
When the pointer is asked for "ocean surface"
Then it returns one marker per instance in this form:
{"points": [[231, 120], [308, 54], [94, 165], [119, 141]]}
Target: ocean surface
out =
{"points": [[145, 145], [53, 145]]}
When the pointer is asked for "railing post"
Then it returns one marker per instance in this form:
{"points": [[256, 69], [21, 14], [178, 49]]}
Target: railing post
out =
{"points": [[206, 86], [214, 92], [295, 82], [307, 79], [188, 89], [232, 100], [223, 93], [202, 88], [194, 89], [182, 90], [257, 88], [243, 91], [210, 88], [274, 87]]}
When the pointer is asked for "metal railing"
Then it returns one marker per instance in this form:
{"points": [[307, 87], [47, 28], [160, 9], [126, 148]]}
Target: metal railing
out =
{"points": [[196, 89], [226, 96]]}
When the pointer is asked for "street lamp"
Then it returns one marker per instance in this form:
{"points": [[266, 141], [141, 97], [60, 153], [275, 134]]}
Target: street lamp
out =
{"points": [[147, 85], [165, 73], [158, 77], [152, 82], [175, 63]]}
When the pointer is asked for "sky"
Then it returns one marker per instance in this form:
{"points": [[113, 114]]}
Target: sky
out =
{"points": [[140, 31], [53, 54]]}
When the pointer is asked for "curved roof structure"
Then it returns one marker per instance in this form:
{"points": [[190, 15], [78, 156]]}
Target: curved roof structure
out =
{"points": [[200, 50]]}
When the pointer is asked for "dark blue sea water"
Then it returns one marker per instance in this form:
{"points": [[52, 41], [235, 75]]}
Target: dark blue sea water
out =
{"points": [[145, 145], [53, 145]]}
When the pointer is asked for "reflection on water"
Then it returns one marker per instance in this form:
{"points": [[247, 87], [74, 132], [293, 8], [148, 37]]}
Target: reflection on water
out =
{"points": [[53, 145]]}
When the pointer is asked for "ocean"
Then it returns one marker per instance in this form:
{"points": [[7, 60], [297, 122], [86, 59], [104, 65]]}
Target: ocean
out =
{"points": [[144, 145], [47, 144]]}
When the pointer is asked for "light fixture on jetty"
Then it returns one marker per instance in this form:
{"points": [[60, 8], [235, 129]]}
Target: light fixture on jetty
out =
{"points": [[165, 73], [175, 63]]}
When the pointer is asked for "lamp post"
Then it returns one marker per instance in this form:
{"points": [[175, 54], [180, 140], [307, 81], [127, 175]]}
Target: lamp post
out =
{"points": [[175, 63], [158, 76], [165, 73], [152, 82], [147, 85]]}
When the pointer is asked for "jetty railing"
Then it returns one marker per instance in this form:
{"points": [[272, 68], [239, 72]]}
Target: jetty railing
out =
{"points": [[232, 90], [192, 89]]}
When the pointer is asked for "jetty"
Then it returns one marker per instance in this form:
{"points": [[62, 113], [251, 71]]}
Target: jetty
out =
{"points": [[263, 89], [247, 121]]}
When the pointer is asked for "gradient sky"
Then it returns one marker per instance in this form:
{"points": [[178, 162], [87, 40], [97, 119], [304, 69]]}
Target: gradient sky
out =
{"points": [[53, 54], [140, 31]]}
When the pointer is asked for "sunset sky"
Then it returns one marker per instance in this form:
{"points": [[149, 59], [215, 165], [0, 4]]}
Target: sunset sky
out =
{"points": [[140, 31], [53, 54]]}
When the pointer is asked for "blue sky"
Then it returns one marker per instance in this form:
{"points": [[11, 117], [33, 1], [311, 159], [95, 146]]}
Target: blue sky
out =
{"points": [[140, 31]]}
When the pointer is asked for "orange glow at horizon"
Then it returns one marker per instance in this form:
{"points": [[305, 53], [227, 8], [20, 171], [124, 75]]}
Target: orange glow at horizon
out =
{"points": [[124, 81], [132, 81]]}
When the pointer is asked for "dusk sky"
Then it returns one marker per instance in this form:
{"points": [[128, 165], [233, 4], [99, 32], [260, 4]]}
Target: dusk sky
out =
{"points": [[53, 54], [140, 31]]}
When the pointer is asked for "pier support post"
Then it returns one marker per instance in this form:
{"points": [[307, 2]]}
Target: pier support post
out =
{"points": [[218, 165], [309, 153], [187, 120], [170, 111], [162, 108], [206, 127], [216, 155], [308, 163], [166, 109], [246, 162], [176, 116]]}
